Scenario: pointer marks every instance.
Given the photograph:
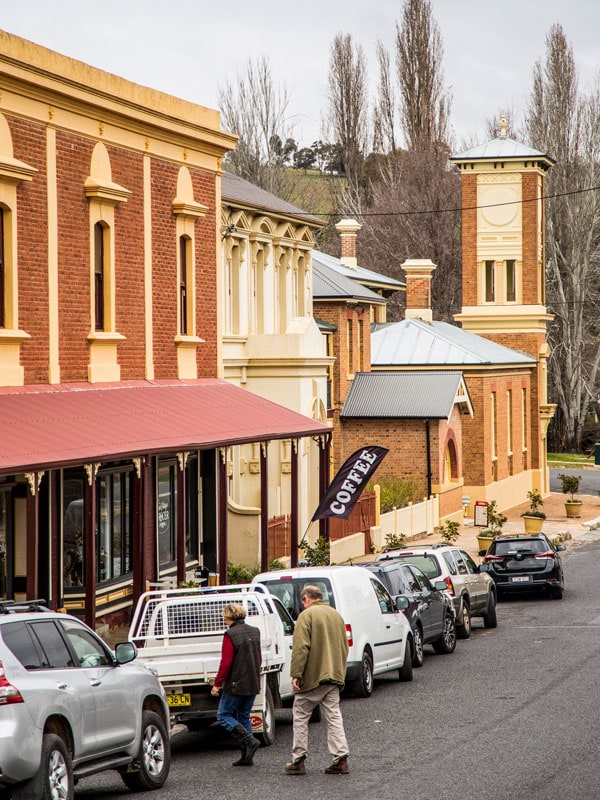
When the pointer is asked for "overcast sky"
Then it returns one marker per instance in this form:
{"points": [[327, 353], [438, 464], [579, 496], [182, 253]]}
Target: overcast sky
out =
{"points": [[189, 48]]}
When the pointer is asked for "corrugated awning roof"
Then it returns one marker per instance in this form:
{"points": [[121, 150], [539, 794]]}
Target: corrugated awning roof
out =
{"points": [[328, 284], [406, 395], [74, 423]]}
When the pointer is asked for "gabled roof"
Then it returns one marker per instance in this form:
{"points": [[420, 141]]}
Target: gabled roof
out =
{"points": [[329, 284], [358, 274], [408, 395], [64, 424], [501, 148], [241, 192], [415, 342]]}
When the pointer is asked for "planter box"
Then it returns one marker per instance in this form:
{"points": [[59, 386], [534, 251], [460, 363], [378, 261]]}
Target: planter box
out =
{"points": [[533, 524]]}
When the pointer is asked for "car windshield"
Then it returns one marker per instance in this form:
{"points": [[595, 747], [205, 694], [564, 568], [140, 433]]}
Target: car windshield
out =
{"points": [[427, 563]]}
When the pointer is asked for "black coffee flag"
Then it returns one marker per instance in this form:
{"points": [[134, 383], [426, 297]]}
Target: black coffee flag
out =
{"points": [[347, 486]]}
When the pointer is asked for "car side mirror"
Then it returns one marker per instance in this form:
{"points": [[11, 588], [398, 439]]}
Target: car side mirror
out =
{"points": [[560, 547], [401, 602], [125, 652], [484, 567], [440, 586]]}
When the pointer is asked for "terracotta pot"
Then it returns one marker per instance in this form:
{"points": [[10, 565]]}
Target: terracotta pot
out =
{"points": [[573, 508], [533, 524]]}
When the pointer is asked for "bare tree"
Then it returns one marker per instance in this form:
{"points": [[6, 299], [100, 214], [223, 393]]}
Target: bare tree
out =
{"points": [[254, 108], [348, 111], [425, 104], [405, 183], [385, 111], [566, 125]]}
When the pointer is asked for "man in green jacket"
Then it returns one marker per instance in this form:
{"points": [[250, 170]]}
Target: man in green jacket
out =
{"points": [[318, 670]]}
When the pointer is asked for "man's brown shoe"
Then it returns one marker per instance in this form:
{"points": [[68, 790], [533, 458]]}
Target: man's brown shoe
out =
{"points": [[296, 767], [339, 767]]}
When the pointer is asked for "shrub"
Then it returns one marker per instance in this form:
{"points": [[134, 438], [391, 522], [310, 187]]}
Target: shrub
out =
{"points": [[535, 501], [449, 531], [398, 493], [570, 484], [394, 541], [317, 555]]}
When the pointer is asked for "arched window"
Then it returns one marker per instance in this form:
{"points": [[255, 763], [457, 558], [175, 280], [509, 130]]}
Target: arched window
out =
{"points": [[100, 251], [450, 462], [2, 269]]}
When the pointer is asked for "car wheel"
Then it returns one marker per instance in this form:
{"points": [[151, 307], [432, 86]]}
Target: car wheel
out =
{"points": [[405, 673], [152, 765], [267, 736], [447, 641], [489, 618], [363, 686], [463, 627], [418, 654], [54, 779]]}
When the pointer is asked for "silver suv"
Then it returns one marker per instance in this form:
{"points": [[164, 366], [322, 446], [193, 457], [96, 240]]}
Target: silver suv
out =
{"points": [[70, 707], [473, 591]]}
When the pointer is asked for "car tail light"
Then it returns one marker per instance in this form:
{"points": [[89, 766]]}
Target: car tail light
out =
{"points": [[487, 559], [349, 635], [547, 554], [449, 585], [8, 693]]}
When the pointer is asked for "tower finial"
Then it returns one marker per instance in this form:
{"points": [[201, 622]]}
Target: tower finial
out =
{"points": [[503, 127]]}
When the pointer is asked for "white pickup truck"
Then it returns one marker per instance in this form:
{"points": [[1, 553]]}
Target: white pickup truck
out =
{"points": [[179, 633]]}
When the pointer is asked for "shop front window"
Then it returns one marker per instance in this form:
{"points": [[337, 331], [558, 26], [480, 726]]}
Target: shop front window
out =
{"points": [[166, 512], [73, 520], [113, 525], [192, 516]]}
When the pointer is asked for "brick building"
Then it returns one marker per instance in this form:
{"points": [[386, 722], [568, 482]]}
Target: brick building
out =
{"points": [[117, 419]]}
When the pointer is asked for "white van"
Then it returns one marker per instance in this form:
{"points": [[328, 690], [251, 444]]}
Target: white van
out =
{"points": [[379, 635]]}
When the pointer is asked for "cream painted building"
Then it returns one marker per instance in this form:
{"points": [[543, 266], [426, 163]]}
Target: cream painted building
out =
{"points": [[271, 346]]}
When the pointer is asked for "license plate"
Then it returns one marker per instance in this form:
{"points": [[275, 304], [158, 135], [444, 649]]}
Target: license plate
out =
{"points": [[179, 700], [521, 579]]}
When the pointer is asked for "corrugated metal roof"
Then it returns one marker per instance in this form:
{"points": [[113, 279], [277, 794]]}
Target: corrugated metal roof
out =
{"points": [[408, 395], [359, 274], [331, 285], [501, 147], [238, 190], [414, 342], [72, 423]]}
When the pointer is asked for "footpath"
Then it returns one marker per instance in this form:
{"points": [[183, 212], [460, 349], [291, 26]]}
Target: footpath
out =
{"points": [[571, 532]]}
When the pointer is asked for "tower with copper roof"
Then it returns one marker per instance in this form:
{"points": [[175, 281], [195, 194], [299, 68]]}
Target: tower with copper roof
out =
{"points": [[503, 276]]}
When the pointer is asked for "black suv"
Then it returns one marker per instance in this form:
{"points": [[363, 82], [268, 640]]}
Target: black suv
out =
{"points": [[525, 563], [430, 608]]}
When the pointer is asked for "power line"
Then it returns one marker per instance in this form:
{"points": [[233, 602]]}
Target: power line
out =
{"points": [[460, 209]]}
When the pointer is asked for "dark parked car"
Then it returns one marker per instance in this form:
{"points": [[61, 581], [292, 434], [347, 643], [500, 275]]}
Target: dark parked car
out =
{"points": [[430, 611], [473, 592], [525, 563]]}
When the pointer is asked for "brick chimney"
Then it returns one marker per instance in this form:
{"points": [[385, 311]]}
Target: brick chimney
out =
{"points": [[348, 229], [418, 288]]}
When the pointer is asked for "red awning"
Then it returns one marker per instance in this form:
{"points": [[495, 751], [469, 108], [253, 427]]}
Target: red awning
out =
{"points": [[75, 423]]}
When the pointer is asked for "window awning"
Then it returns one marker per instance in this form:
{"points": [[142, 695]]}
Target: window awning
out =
{"points": [[68, 424]]}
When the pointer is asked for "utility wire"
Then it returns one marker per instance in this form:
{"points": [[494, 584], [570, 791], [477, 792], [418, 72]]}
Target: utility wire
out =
{"points": [[462, 208]]}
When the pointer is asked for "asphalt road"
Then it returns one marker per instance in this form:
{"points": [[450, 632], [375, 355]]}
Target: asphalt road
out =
{"points": [[511, 715], [590, 480]]}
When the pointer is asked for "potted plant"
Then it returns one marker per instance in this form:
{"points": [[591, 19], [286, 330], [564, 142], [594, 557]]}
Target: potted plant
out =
{"points": [[495, 521], [533, 518], [570, 484]]}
